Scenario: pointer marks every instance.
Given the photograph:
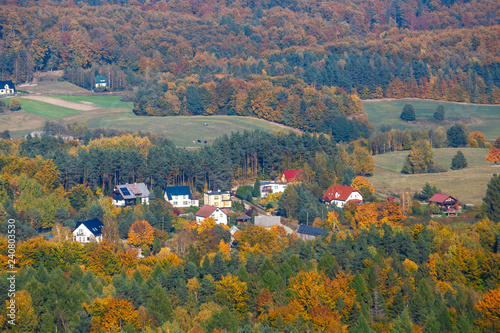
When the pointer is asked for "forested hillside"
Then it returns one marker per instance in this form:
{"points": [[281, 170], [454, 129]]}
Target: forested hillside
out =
{"points": [[381, 266], [280, 61]]}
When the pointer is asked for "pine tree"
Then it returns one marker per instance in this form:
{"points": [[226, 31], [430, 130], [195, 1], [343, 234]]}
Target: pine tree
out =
{"points": [[458, 161]]}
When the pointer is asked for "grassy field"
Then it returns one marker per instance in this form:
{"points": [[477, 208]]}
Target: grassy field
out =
{"points": [[45, 109], [468, 185], [182, 130], [111, 112], [484, 118], [54, 87], [99, 101]]}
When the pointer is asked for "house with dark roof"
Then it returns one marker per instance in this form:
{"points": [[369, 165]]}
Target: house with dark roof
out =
{"points": [[218, 214], [88, 231], [7, 88], [129, 194], [307, 232], [100, 81], [445, 202], [338, 195], [289, 176], [180, 196], [221, 199]]}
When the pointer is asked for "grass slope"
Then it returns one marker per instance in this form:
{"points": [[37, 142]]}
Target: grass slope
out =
{"points": [[182, 130], [45, 109], [484, 118], [99, 101], [468, 185]]}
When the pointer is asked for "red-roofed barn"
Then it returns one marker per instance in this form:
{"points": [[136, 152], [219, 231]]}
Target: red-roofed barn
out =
{"points": [[339, 194]]}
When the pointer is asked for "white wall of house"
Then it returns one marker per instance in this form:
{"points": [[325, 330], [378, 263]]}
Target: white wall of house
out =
{"points": [[219, 216], [275, 188], [119, 203], [182, 201], [83, 235], [353, 196]]}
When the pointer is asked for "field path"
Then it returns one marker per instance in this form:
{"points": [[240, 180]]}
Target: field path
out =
{"points": [[60, 102]]}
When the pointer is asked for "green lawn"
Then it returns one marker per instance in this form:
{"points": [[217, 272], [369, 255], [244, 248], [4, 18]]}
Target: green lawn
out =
{"points": [[484, 118], [99, 101], [468, 185], [45, 109]]}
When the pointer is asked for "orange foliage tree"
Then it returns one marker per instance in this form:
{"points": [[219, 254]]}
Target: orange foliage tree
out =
{"points": [[140, 233], [493, 155], [489, 309], [111, 314]]}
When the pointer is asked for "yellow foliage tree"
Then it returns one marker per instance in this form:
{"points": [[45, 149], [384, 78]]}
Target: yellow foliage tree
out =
{"points": [[360, 182], [111, 314], [140, 233], [233, 293]]}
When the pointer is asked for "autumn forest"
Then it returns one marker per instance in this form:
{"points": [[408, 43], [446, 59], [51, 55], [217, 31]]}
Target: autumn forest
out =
{"points": [[392, 264]]}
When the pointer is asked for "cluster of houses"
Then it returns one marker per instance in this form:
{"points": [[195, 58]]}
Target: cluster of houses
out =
{"points": [[217, 205]]}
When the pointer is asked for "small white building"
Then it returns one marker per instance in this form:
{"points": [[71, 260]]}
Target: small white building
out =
{"points": [[180, 197], [88, 231], [7, 88], [127, 195], [338, 195], [271, 187], [219, 215], [100, 81]]}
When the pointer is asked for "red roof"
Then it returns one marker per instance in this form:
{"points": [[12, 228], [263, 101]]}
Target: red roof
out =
{"points": [[339, 192], [206, 211], [226, 211], [440, 198], [290, 174]]}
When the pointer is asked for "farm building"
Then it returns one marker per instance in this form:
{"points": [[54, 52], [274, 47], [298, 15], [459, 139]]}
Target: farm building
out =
{"points": [[444, 201]]}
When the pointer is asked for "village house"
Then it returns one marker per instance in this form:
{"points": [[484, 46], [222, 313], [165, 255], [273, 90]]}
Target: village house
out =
{"points": [[7, 88], [100, 81], [88, 231], [445, 202], [180, 197], [221, 199], [130, 194], [271, 187], [221, 216], [338, 195], [290, 176]]}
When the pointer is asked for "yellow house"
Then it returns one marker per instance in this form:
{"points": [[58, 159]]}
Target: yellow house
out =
{"points": [[221, 199]]}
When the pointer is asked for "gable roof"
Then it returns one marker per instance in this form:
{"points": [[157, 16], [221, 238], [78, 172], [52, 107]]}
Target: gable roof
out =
{"points": [[132, 191], [95, 226], [8, 83], [206, 211], [339, 192], [310, 231], [440, 198], [290, 174], [243, 217], [177, 190], [100, 79]]}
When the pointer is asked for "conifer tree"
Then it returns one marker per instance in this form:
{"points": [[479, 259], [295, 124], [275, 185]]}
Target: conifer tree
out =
{"points": [[458, 161]]}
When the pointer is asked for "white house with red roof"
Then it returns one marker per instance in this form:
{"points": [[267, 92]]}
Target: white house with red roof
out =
{"points": [[220, 215], [338, 195]]}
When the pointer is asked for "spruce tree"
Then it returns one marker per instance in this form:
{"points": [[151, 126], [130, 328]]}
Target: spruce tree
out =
{"points": [[458, 161], [492, 199], [256, 189], [408, 113]]}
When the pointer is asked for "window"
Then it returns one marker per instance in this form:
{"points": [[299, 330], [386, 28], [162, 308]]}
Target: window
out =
{"points": [[216, 197], [184, 202], [175, 203]]}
